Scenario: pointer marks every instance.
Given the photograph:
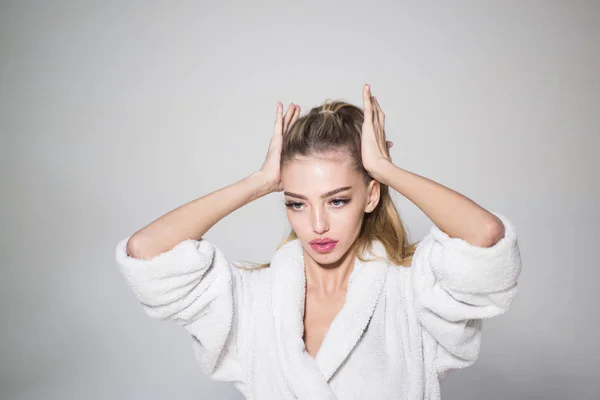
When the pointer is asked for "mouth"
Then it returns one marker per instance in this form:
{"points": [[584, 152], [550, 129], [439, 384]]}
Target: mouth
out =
{"points": [[324, 246]]}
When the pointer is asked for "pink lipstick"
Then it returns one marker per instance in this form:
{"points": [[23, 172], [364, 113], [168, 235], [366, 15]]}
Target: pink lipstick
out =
{"points": [[323, 245]]}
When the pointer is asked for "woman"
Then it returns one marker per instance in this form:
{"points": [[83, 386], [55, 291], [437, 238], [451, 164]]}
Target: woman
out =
{"points": [[347, 308]]}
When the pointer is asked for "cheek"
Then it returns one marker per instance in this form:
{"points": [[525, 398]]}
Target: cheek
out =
{"points": [[294, 219], [345, 218], [350, 216]]}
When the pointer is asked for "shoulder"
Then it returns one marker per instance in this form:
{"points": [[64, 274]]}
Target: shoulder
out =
{"points": [[249, 267], [250, 273], [399, 280], [399, 273]]}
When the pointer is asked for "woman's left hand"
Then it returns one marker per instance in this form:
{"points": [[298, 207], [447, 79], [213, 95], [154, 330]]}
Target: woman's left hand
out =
{"points": [[374, 147]]}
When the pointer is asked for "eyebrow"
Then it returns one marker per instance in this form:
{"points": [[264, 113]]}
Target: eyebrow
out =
{"points": [[332, 192]]}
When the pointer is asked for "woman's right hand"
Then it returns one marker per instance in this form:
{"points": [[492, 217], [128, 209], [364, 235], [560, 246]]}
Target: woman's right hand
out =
{"points": [[270, 168]]}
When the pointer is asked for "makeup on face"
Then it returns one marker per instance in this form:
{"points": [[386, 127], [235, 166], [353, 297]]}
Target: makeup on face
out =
{"points": [[323, 245]]}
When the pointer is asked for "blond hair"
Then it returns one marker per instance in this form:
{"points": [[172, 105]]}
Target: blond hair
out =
{"points": [[334, 127]]}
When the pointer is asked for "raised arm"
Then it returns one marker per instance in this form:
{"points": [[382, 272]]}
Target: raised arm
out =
{"points": [[177, 275], [194, 219], [453, 213], [464, 271]]}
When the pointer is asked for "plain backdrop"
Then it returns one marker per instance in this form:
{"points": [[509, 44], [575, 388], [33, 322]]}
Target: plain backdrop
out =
{"points": [[114, 113]]}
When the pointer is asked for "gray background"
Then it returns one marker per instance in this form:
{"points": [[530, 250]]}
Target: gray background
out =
{"points": [[114, 113]]}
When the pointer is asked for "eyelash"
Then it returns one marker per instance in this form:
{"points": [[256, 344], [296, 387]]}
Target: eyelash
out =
{"points": [[343, 201]]}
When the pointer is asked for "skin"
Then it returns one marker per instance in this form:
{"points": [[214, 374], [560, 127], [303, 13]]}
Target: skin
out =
{"points": [[314, 217], [327, 274], [455, 214], [338, 216]]}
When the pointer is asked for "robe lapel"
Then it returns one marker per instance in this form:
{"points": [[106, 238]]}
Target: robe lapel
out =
{"points": [[306, 376]]}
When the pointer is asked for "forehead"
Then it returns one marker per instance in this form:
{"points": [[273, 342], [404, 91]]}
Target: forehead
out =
{"points": [[316, 175]]}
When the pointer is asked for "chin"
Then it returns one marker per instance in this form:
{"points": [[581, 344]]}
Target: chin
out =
{"points": [[325, 260]]}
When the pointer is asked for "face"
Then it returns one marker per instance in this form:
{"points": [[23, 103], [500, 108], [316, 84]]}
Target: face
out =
{"points": [[326, 198]]}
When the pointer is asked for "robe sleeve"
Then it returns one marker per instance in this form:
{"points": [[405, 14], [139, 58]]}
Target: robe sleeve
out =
{"points": [[195, 286], [456, 286]]}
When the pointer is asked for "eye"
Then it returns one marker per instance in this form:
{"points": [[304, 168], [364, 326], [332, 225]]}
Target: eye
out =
{"points": [[292, 205], [337, 203], [342, 201]]}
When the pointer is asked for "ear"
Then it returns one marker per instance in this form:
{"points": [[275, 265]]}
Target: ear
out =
{"points": [[373, 193]]}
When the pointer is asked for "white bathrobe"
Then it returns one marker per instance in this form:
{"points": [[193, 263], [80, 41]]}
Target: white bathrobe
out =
{"points": [[400, 330]]}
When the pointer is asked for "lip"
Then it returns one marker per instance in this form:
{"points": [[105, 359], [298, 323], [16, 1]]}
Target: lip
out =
{"points": [[323, 248], [322, 241]]}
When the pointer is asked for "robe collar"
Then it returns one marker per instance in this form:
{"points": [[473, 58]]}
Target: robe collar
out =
{"points": [[306, 376]]}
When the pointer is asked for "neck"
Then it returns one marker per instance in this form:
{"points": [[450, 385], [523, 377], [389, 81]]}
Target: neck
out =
{"points": [[329, 279]]}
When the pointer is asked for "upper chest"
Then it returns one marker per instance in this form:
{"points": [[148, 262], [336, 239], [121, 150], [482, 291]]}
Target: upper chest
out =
{"points": [[319, 313]]}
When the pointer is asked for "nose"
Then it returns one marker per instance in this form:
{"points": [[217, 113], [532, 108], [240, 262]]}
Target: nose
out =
{"points": [[320, 221]]}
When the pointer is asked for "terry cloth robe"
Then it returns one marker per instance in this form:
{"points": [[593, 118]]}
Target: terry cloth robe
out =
{"points": [[400, 330]]}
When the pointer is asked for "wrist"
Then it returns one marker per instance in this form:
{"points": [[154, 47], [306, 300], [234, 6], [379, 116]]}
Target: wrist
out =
{"points": [[261, 182], [381, 170]]}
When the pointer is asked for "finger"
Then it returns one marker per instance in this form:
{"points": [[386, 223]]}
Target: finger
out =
{"points": [[288, 116], [390, 144], [278, 117], [368, 108], [377, 105], [379, 111], [375, 113], [296, 115], [380, 120], [293, 119], [379, 124]]}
